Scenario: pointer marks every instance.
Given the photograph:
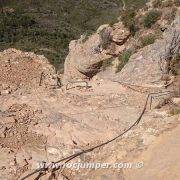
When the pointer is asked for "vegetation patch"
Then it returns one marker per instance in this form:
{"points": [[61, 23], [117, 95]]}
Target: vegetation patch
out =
{"points": [[23, 32], [123, 59], [51, 25], [128, 19], [147, 40], [151, 18], [135, 4]]}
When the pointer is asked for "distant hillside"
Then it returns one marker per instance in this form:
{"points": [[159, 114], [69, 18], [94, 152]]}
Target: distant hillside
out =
{"points": [[46, 27]]}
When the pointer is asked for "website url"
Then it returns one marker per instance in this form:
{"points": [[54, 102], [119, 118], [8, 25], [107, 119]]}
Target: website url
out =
{"points": [[92, 165]]}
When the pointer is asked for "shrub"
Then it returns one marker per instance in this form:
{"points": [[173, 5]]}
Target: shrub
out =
{"points": [[123, 59], [150, 18], [147, 40], [128, 19], [14, 26], [16, 20]]}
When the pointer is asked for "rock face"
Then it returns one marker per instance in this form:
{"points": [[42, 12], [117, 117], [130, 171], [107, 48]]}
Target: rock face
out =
{"points": [[177, 18], [148, 65], [85, 58], [119, 33], [20, 69]]}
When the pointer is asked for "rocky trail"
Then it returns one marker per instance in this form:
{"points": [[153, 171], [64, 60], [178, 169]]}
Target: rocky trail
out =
{"points": [[45, 118], [47, 124]]}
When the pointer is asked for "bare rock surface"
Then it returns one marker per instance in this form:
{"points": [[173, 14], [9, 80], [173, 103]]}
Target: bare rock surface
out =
{"points": [[146, 67], [47, 126], [160, 161], [84, 59], [86, 55]]}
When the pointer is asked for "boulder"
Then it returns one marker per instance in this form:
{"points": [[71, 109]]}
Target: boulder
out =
{"points": [[120, 33], [85, 57]]}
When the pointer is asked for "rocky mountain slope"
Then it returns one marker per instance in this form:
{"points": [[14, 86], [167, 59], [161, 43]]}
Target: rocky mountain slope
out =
{"points": [[46, 27], [126, 111]]}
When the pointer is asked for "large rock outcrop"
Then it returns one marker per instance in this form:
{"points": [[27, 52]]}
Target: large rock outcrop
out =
{"points": [[150, 65], [86, 56]]}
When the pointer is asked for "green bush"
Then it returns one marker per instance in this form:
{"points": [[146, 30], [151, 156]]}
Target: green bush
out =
{"points": [[17, 20], [147, 40], [23, 32], [128, 19], [135, 3], [150, 18], [14, 26], [123, 59]]}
